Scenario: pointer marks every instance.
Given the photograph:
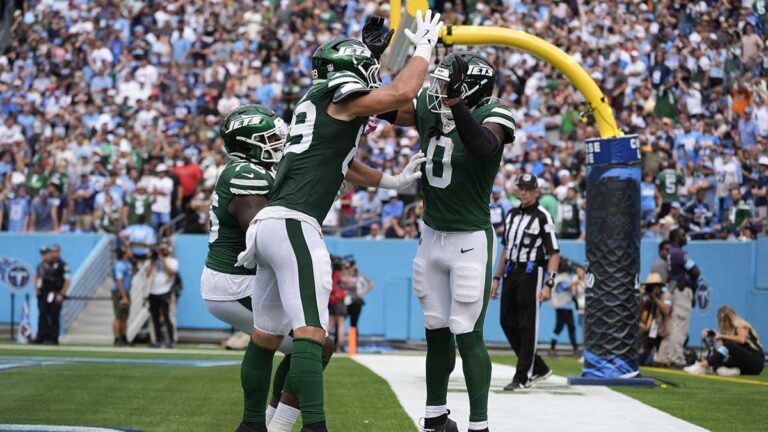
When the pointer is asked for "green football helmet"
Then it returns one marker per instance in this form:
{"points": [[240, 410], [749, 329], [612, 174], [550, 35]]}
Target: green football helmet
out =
{"points": [[476, 90], [254, 132], [346, 55]]}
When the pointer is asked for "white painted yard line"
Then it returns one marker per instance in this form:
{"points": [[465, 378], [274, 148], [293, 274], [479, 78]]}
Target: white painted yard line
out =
{"points": [[552, 405]]}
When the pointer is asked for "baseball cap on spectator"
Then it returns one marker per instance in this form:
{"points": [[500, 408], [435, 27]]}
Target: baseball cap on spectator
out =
{"points": [[728, 151], [762, 160], [675, 205], [162, 168], [546, 161], [707, 165], [45, 249], [496, 190]]}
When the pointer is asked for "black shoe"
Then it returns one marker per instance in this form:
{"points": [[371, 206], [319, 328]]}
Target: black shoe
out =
{"points": [[440, 424], [517, 385], [251, 427], [540, 376], [315, 427], [479, 430]]}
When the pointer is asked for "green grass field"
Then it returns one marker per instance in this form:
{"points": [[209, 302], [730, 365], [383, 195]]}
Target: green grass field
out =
{"points": [[186, 398]]}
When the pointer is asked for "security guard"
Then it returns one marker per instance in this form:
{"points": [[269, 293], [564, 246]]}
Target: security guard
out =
{"points": [[530, 246], [52, 283]]}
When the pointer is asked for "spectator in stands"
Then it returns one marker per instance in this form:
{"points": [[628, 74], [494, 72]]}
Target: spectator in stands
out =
{"points": [[740, 213], [393, 209], [161, 189], [368, 208], [569, 215], [18, 210], [83, 197], [43, 214], [734, 350], [761, 193], [162, 274], [106, 217], [189, 175], [650, 199], [121, 301]]}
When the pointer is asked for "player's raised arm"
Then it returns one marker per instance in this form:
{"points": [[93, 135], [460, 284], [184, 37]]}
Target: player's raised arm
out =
{"points": [[407, 83]]}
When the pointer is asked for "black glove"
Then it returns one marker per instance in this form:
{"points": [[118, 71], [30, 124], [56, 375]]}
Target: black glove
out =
{"points": [[458, 75], [375, 36]]}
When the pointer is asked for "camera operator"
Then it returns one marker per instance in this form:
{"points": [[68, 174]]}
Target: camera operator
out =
{"points": [[162, 273], [734, 350], [655, 322]]}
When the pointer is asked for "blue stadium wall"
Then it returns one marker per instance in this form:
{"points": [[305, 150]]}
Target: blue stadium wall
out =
{"points": [[737, 273]]}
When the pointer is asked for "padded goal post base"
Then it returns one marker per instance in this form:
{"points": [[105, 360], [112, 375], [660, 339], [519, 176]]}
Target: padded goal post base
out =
{"points": [[612, 382]]}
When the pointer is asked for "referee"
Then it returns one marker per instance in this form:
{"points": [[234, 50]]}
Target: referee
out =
{"points": [[530, 248]]}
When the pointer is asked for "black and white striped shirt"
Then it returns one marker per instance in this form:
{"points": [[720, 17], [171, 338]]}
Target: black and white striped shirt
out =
{"points": [[529, 235]]}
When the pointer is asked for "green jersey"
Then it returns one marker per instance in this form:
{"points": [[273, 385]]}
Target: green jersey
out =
{"points": [[668, 180], [227, 239], [138, 205], [570, 222], [457, 186], [319, 149], [737, 214], [61, 180]]}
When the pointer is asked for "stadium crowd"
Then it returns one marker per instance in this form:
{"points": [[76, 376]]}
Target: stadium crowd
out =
{"points": [[110, 110]]}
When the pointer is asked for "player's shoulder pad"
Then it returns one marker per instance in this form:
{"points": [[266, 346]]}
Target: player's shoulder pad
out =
{"points": [[494, 112], [345, 84], [246, 178]]}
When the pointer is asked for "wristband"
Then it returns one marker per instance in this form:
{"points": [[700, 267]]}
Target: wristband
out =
{"points": [[424, 51], [388, 181]]}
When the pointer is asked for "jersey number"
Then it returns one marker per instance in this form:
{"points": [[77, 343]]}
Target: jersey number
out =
{"points": [[214, 220], [438, 166], [302, 125]]}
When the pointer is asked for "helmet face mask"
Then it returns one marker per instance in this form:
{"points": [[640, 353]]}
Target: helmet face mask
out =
{"points": [[255, 133]]}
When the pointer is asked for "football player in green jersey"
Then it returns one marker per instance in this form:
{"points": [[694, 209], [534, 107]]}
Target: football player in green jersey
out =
{"points": [[253, 138], [463, 131], [285, 240]]}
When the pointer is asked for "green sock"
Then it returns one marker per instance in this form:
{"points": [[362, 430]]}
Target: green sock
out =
{"points": [[305, 379], [441, 359], [477, 373], [255, 374], [280, 375]]}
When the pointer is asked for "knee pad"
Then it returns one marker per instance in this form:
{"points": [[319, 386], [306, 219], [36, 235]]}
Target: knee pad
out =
{"points": [[433, 321]]}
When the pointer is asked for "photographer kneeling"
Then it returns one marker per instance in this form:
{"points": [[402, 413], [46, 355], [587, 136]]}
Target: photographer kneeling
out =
{"points": [[735, 350]]}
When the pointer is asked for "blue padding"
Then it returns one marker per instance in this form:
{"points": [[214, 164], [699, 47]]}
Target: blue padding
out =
{"points": [[619, 150], [626, 382], [597, 367]]}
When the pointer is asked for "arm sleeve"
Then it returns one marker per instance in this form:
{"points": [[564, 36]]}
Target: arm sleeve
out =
{"points": [[479, 141]]}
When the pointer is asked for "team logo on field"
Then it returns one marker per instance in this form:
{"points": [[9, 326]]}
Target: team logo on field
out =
{"points": [[245, 121], [480, 70]]}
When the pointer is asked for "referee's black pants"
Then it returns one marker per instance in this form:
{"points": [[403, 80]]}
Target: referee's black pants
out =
{"points": [[520, 319]]}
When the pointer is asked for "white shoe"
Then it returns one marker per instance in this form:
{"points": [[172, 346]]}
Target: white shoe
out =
{"points": [[728, 372], [695, 369]]}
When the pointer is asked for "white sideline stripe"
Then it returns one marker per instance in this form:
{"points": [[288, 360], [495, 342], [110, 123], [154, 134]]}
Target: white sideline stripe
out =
{"points": [[51, 428], [159, 351], [551, 405]]}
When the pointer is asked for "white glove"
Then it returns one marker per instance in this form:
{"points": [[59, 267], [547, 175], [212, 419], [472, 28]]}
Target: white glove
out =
{"points": [[410, 174], [425, 37], [247, 258]]}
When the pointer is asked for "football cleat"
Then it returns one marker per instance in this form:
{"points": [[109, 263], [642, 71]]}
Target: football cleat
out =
{"points": [[541, 377], [251, 427], [516, 385], [447, 425]]}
